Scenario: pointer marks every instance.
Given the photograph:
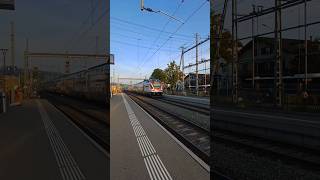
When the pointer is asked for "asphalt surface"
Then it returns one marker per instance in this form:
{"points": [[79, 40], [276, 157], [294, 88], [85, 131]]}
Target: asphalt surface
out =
{"points": [[128, 161], [38, 142]]}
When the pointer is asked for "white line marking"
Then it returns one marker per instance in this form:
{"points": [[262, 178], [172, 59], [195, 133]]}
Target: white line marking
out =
{"points": [[147, 150], [100, 148], [67, 165], [194, 156]]}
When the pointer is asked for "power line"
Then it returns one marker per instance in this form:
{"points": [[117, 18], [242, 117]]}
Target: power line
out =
{"points": [[163, 28], [146, 27], [83, 23], [179, 27], [95, 23], [139, 33], [145, 47]]}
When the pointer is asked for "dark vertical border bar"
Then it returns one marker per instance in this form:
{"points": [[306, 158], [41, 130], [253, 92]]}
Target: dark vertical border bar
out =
{"points": [[211, 89], [108, 73]]}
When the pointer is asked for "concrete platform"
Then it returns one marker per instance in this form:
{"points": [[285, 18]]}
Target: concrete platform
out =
{"points": [[38, 142], [142, 149]]}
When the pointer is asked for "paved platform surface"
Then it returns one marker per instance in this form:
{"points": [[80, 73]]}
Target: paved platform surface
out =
{"points": [[142, 149], [38, 142]]}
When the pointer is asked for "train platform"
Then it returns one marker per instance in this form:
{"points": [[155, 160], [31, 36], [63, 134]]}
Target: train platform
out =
{"points": [[37, 141], [142, 149]]}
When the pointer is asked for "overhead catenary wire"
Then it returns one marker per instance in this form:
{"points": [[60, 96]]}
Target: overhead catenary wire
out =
{"points": [[147, 27], [179, 27], [92, 26], [145, 47], [178, 40], [163, 28], [93, 9]]}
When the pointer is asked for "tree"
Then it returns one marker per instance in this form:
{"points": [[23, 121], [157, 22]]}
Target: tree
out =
{"points": [[173, 74], [225, 49], [159, 74]]}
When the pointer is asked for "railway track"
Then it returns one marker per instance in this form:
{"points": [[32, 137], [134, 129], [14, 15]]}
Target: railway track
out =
{"points": [[288, 153], [192, 135], [94, 126], [278, 151], [218, 175], [197, 107]]}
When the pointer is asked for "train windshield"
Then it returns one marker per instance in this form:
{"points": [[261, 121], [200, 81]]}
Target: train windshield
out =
{"points": [[156, 85]]}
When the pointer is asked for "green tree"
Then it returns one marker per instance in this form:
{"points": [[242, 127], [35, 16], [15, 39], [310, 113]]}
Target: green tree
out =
{"points": [[173, 74], [159, 74]]}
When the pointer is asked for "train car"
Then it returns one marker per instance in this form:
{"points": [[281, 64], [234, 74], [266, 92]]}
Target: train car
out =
{"points": [[152, 87], [89, 84]]}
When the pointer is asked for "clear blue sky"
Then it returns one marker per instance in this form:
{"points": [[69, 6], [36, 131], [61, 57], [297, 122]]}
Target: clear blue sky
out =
{"points": [[137, 35]]}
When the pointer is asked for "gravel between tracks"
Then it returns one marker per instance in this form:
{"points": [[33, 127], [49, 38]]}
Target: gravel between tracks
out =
{"points": [[243, 165]]}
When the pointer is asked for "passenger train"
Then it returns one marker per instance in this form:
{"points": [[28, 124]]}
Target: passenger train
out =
{"points": [[89, 84], [152, 87]]}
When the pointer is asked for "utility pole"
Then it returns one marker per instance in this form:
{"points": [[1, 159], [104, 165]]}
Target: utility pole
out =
{"points": [[97, 42], [99, 36], [253, 46], [113, 77], [278, 55], [182, 67], [26, 68], [259, 9], [235, 51], [197, 73], [306, 47], [205, 77], [13, 47], [4, 52], [67, 64]]}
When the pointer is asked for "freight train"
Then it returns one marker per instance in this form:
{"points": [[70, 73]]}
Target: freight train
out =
{"points": [[89, 84], [151, 87]]}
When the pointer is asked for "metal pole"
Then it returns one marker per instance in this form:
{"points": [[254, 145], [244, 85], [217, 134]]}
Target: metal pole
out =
{"points": [[5, 66], [12, 47], [306, 46], [205, 77], [97, 40], [253, 46], [275, 50], [26, 67], [4, 51], [278, 56], [235, 51], [197, 74], [113, 77], [182, 65], [281, 88], [4, 62]]}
